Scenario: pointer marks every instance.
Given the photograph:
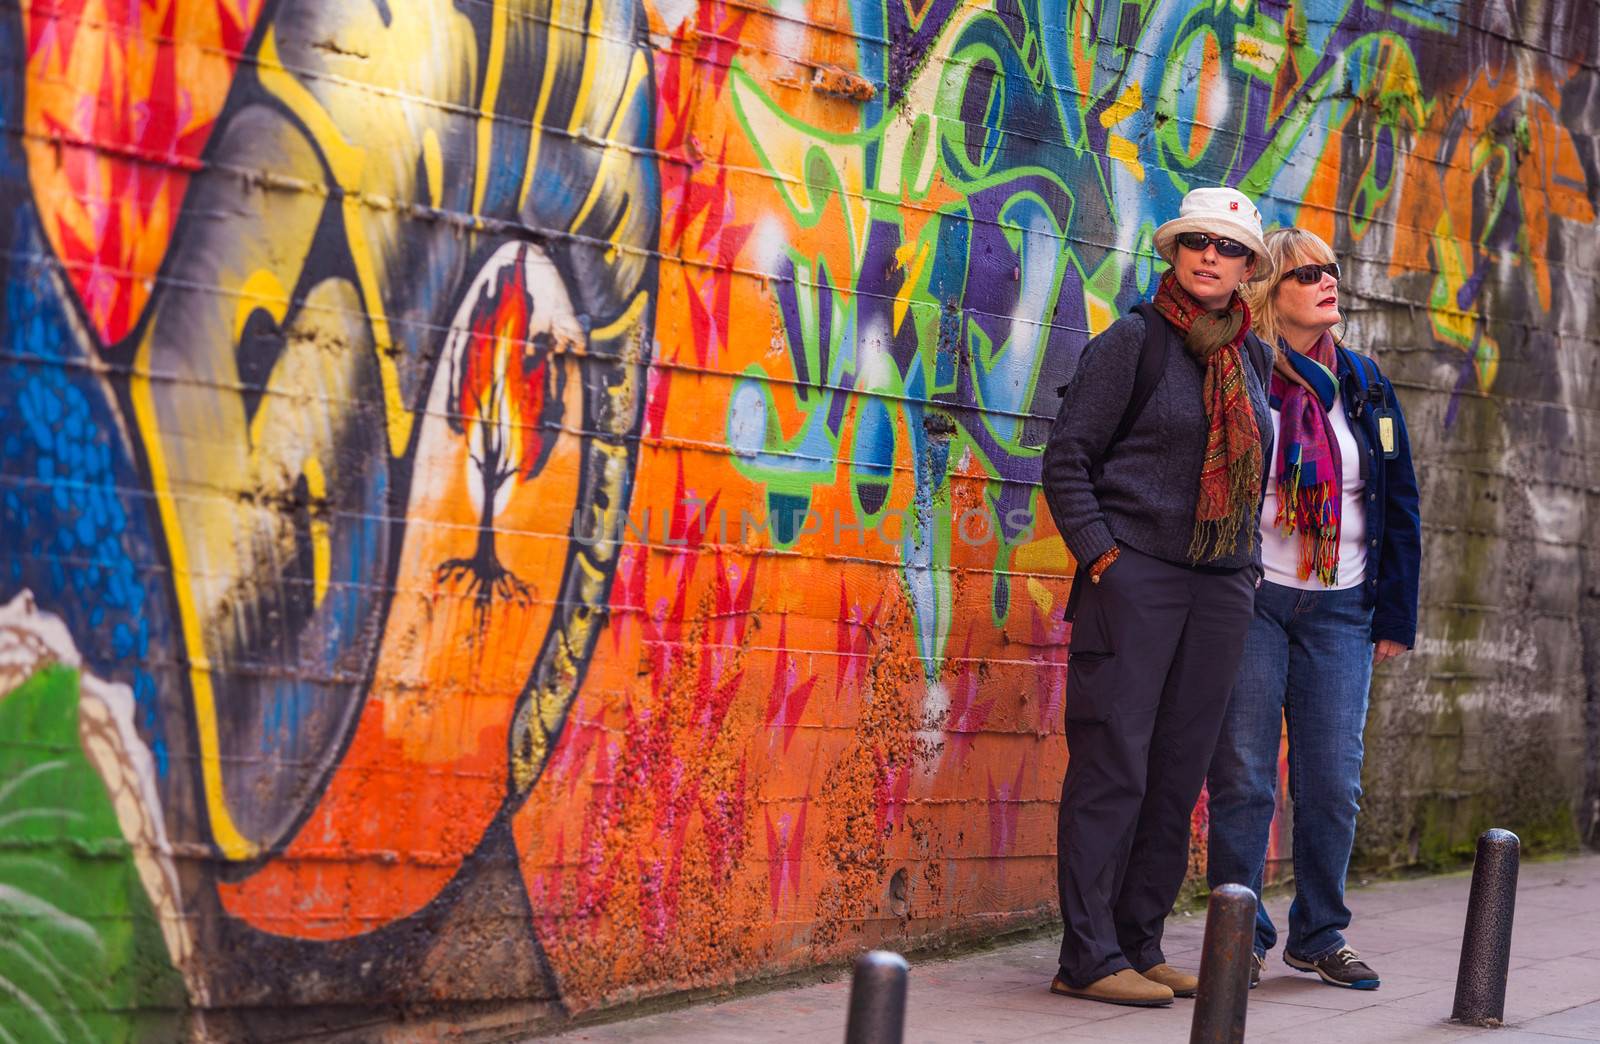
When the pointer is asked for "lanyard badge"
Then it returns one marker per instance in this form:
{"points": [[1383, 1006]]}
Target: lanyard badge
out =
{"points": [[1372, 398], [1388, 439]]}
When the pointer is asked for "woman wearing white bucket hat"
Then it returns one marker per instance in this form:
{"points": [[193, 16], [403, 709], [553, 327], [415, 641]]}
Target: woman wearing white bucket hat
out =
{"points": [[1153, 473], [1221, 212]]}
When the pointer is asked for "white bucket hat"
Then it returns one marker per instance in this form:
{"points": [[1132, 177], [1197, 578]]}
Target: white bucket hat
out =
{"points": [[1222, 212]]}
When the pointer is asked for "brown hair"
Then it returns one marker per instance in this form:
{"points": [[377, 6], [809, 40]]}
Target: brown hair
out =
{"points": [[1287, 248]]}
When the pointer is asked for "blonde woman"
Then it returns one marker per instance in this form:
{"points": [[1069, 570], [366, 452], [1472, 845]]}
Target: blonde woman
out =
{"points": [[1341, 548]]}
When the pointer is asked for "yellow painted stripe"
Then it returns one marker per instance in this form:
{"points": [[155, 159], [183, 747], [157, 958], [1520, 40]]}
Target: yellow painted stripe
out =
{"points": [[1131, 101], [234, 845], [1041, 596], [903, 298], [346, 160], [627, 320], [1126, 153], [591, 63], [486, 105], [433, 165], [263, 289], [321, 549], [347, 163], [552, 59], [623, 220], [636, 74], [396, 413]]}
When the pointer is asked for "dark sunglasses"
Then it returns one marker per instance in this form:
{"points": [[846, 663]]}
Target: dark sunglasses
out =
{"points": [[1226, 247], [1309, 274]]}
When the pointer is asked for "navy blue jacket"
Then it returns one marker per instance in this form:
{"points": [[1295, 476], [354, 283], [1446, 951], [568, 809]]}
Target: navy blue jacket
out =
{"points": [[1394, 525]]}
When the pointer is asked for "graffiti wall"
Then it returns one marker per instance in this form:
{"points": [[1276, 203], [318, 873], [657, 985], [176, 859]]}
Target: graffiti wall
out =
{"points": [[514, 507]]}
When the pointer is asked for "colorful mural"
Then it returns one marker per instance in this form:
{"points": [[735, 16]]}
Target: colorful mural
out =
{"points": [[514, 507]]}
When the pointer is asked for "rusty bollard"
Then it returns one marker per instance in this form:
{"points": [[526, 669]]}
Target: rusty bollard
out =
{"points": [[1219, 1006], [877, 999], [1486, 943]]}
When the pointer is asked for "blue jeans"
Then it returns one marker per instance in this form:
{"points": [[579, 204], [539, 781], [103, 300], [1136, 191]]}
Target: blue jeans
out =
{"points": [[1308, 661]]}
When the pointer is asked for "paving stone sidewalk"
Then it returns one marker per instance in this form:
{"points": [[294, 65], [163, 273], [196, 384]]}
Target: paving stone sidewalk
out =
{"points": [[1409, 930]]}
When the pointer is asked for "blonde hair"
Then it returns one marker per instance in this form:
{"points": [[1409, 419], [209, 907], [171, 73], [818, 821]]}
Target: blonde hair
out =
{"points": [[1287, 249]]}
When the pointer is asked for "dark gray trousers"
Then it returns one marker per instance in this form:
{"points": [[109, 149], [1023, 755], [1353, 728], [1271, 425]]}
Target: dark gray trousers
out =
{"points": [[1154, 651]]}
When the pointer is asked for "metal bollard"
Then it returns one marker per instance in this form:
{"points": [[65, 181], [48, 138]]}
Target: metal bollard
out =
{"points": [[1219, 1006], [1486, 943], [877, 999]]}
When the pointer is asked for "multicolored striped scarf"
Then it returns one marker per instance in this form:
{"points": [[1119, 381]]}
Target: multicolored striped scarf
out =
{"points": [[1230, 474], [1309, 468]]}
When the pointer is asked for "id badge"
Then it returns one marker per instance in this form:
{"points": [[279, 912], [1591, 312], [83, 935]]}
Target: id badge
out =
{"points": [[1388, 437]]}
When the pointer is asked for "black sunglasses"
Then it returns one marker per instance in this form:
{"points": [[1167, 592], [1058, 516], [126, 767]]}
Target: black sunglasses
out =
{"points": [[1226, 247], [1309, 274]]}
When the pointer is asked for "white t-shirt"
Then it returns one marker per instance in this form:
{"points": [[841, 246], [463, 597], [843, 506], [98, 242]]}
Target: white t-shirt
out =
{"points": [[1280, 555]]}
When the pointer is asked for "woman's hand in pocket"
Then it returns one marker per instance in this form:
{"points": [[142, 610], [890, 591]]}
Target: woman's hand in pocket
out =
{"points": [[1103, 563]]}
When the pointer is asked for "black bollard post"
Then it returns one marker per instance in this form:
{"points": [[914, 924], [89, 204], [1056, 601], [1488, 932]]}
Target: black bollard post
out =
{"points": [[877, 999], [1219, 1006], [1486, 944]]}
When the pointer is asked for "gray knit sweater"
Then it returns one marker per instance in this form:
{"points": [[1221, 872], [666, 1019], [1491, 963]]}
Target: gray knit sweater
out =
{"points": [[1149, 482]]}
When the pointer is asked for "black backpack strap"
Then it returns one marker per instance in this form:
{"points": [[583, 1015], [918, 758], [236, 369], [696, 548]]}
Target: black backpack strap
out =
{"points": [[1374, 392], [1152, 360], [1152, 364], [1258, 358]]}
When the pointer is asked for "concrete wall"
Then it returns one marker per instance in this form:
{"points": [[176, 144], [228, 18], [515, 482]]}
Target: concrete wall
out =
{"points": [[511, 508]]}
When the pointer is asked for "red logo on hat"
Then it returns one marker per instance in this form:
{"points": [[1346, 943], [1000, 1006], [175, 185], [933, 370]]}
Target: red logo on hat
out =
{"points": [[1233, 206]]}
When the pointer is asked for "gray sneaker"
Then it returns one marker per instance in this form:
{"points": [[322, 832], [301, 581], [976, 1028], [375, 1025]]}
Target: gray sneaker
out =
{"points": [[1258, 964], [1343, 967]]}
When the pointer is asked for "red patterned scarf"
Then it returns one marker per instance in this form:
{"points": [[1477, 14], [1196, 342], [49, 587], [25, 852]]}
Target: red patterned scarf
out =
{"points": [[1230, 475]]}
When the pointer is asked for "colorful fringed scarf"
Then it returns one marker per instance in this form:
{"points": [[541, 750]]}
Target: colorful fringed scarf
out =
{"points": [[1230, 475], [1309, 468]]}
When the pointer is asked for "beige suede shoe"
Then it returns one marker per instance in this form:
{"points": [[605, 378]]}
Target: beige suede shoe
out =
{"points": [[1181, 983], [1125, 987]]}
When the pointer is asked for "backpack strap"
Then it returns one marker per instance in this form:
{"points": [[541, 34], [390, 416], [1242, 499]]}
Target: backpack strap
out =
{"points": [[1152, 364], [1359, 363], [1258, 358]]}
